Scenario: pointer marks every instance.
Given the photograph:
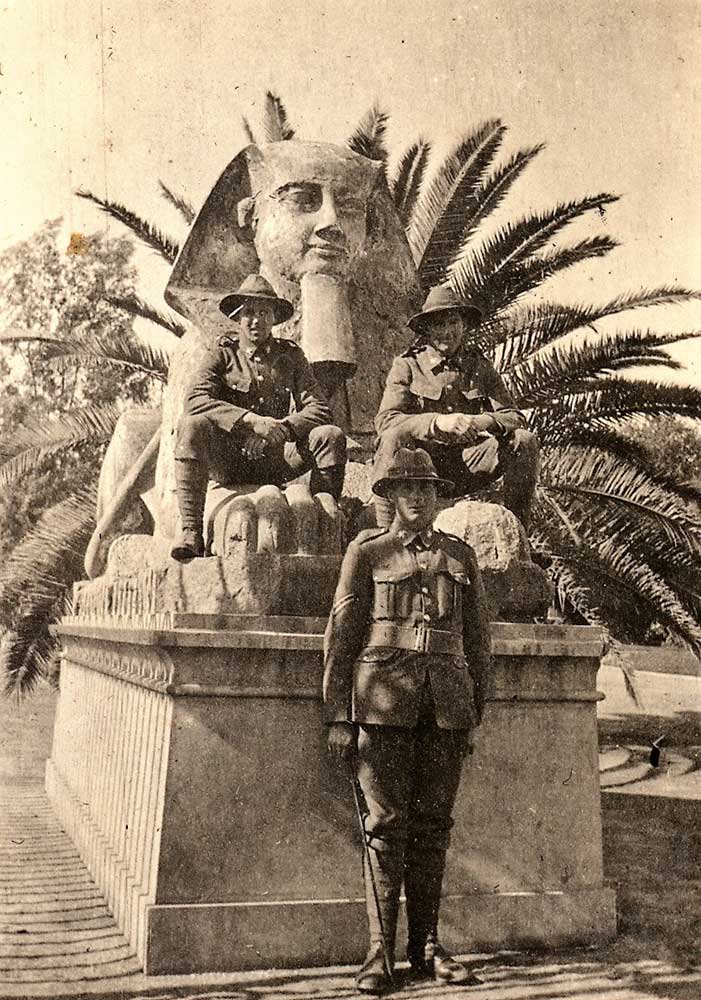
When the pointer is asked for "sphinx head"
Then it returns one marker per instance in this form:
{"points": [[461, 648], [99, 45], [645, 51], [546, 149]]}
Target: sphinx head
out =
{"points": [[308, 211]]}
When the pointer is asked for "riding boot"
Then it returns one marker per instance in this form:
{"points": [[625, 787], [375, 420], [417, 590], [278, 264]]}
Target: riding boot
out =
{"points": [[329, 480], [191, 486], [423, 879], [382, 903]]}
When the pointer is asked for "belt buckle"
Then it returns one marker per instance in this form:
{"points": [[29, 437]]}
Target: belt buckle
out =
{"points": [[422, 634]]}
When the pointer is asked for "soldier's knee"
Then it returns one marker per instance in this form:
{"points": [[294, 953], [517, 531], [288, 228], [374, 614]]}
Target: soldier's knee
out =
{"points": [[393, 439], [526, 441], [330, 441], [192, 436]]}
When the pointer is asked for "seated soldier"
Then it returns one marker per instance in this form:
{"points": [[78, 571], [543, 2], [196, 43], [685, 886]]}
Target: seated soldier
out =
{"points": [[239, 425], [443, 394]]}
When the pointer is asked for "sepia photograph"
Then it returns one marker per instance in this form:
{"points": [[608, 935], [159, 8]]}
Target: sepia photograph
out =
{"points": [[350, 499]]}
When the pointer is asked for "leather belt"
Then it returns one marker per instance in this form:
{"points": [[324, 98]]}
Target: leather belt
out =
{"points": [[420, 638]]}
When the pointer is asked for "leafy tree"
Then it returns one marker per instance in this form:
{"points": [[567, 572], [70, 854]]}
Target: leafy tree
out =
{"points": [[57, 410], [618, 527]]}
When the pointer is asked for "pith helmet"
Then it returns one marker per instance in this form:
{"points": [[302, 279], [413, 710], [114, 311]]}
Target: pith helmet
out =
{"points": [[256, 288], [442, 299], [410, 464]]}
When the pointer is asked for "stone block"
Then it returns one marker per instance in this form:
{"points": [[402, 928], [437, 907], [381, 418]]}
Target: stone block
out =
{"points": [[517, 589]]}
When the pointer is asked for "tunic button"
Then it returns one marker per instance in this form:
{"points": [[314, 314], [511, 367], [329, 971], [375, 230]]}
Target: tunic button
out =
{"points": [[261, 399], [427, 618], [449, 409], [260, 377], [424, 590]]}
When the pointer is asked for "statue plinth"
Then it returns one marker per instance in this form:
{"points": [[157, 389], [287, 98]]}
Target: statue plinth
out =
{"points": [[189, 767]]}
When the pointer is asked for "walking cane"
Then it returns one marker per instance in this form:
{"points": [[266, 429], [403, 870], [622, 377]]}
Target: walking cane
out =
{"points": [[368, 862]]}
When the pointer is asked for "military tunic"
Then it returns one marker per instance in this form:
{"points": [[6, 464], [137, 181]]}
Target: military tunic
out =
{"points": [[422, 385], [407, 660], [274, 380]]}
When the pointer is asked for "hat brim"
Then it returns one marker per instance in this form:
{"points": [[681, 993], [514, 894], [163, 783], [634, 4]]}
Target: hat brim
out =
{"points": [[284, 310], [445, 487], [421, 321]]}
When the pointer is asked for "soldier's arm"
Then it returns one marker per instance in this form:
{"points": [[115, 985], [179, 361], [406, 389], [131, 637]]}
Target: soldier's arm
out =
{"points": [[312, 410], [204, 392], [505, 416], [399, 407], [345, 632], [476, 635]]}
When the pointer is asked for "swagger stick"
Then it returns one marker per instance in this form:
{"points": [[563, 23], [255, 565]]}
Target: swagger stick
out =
{"points": [[368, 862]]}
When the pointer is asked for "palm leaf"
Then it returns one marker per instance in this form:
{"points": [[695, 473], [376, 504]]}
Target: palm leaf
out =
{"points": [[482, 267], [574, 366], [438, 221], [276, 126], [405, 185], [125, 352], [490, 195], [38, 440], [141, 309], [368, 139], [524, 330], [33, 585], [612, 401], [179, 202], [527, 275], [149, 234]]}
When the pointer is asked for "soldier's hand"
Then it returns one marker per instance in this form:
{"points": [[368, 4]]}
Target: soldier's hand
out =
{"points": [[342, 739], [462, 427], [254, 446], [277, 435], [273, 433]]}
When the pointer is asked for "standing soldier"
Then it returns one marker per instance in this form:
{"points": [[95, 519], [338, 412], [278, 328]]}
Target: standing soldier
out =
{"points": [[444, 395], [254, 413], [406, 670]]}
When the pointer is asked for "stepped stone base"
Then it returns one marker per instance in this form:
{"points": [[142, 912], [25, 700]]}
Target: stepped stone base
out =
{"points": [[224, 837]]}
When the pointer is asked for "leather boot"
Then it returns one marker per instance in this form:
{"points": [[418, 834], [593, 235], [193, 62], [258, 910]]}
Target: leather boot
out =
{"points": [[191, 485], [328, 480], [375, 975], [423, 879]]}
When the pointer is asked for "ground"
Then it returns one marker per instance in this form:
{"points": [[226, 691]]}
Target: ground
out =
{"points": [[58, 940]]}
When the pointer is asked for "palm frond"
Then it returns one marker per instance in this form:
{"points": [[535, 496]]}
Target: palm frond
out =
{"points": [[482, 267], [575, 365], [38, 440], [138, 307], [179, 202], [276, 126], [120, 351], [490, 195], [405, 185], [612, 401], [149, 234], [526, 329], [368, 139], [527, 275], [33, 585], [438, 221]]}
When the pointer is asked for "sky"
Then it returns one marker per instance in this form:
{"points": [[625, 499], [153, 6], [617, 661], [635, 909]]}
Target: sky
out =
{"points": [[112, 95]]}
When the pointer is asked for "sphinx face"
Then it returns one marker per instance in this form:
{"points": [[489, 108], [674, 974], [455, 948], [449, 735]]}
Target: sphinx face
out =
{"points": [[309, 209]]}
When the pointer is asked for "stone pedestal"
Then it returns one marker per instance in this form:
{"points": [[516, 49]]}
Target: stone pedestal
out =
{"points": [[189, 767]]}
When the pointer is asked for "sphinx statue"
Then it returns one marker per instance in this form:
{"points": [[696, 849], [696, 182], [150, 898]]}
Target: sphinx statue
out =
{"points": [[317, 221]]}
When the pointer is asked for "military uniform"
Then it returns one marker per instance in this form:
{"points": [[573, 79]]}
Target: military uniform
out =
{"points": [[421, 385], [275, 381], [238, 378], [407, 661]]}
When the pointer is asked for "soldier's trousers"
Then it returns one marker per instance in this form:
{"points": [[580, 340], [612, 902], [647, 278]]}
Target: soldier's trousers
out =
{"points": [[224, 455], [410, 778]]}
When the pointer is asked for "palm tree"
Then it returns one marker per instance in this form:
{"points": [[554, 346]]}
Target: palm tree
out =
{"points": [[622, 538]]}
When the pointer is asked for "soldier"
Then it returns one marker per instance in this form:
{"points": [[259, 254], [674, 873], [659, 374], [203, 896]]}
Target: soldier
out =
{"points": [[444, 395], [238, 424], [406, 669]]}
